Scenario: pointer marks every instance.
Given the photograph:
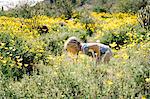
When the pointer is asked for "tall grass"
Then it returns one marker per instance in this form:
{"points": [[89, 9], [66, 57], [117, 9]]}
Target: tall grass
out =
{"points": [[83, 79], [57, 76]]}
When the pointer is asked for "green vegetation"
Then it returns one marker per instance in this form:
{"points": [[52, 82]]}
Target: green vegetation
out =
{"points": [[33, 64]]}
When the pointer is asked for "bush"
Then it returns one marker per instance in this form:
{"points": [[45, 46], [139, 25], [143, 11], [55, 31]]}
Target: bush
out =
{"points": [[144, 17], [66, 8], [124, 36], [121, 78], [129, 5], [15, 56], [118, 5], [26, 11], [55, 43], [120, 37], [22, 44], [99, 9]]}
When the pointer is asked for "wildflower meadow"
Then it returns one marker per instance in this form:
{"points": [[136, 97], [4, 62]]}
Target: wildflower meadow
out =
{"points": [[33, 64]]}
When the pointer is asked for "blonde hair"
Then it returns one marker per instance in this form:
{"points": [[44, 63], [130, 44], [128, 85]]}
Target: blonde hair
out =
{"points": [[72, 45]]}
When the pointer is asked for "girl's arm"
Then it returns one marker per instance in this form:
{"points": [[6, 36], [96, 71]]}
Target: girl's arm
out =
{"points": [[96, 49]]}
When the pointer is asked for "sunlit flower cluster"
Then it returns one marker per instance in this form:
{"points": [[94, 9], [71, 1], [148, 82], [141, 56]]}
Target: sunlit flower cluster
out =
{"points": [[108, 21], [27, 29]]}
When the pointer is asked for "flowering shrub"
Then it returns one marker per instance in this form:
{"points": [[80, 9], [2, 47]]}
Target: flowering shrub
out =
{"points": [[23, 46], [12, 55]]}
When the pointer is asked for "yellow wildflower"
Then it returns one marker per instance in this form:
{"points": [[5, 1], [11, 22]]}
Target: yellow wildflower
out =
{"points": [[109, 82], [10, 48], [125, 56], [1, 57], [25, 65], [17, 56], [143, 97], [2, 44], [116, 56], [19, 59], [147, 80], [14, 49], [20, 64], [4, 61], [6, 48], [113, 44]]}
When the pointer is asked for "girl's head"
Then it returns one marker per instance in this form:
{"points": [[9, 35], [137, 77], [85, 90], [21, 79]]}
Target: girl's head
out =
{"points": [[72, 45]]}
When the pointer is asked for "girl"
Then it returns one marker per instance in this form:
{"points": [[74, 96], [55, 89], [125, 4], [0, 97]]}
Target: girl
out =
{"points": [[102, 52], [99, 51]]}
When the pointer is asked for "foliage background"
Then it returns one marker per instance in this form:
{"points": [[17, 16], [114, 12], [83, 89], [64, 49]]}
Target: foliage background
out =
{"points": [[33, 65]]}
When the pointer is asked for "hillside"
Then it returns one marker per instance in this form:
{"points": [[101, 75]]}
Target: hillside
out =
{"points": [[10, 4], [33, 63]]}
